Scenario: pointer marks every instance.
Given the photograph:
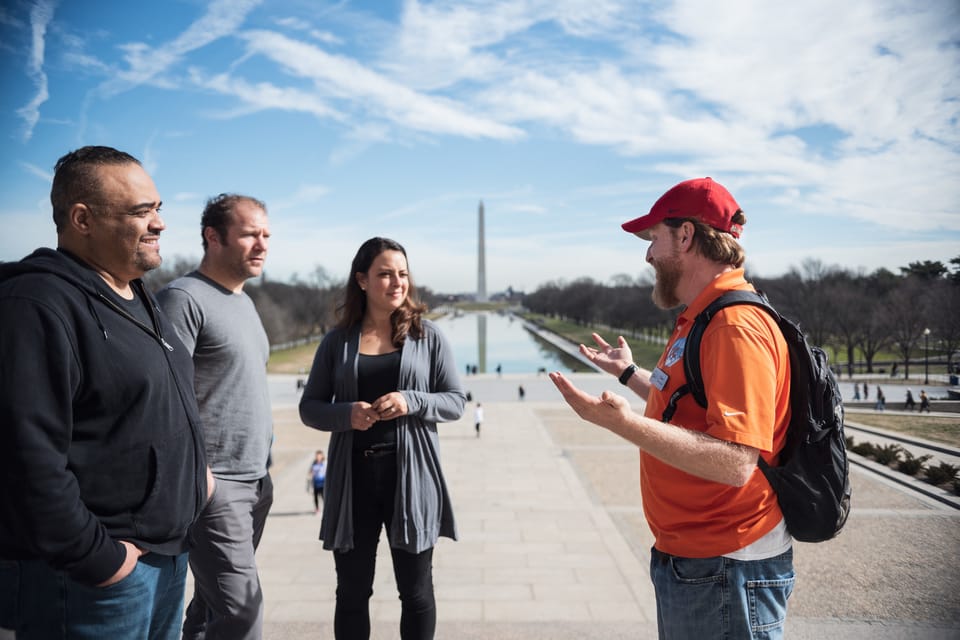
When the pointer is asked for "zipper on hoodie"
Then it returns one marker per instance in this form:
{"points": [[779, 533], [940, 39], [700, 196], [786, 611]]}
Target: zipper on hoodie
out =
{"points": [[155, 331]]}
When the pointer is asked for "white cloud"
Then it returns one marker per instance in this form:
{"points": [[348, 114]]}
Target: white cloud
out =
{"points": [[440, 44], [298, 24], [372, 93], [46, 176], [867, 67], [263, 95], [305, 195], [40, 15], [145, 64]]}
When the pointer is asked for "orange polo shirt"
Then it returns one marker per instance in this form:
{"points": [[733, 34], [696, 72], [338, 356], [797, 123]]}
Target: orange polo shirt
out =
{"points": [[746, 373]]}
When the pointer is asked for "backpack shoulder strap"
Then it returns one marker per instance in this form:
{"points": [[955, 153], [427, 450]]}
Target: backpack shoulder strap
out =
{"points": [[691, 349]]}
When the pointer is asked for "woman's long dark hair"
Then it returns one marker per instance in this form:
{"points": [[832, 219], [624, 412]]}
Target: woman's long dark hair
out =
{"points": [[405, 320]]}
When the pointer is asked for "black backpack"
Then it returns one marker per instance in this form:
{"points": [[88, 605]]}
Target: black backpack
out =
{"points": [[812, 481]]}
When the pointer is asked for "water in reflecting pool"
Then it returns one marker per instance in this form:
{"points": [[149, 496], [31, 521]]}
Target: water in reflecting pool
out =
{"points": [[486, 340]]}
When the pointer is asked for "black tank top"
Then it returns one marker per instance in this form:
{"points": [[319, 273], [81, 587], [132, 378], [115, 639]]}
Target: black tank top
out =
{"points": [[377, 375]]}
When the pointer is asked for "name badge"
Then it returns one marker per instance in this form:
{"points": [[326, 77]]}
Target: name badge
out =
{"points": [[659, 379]]}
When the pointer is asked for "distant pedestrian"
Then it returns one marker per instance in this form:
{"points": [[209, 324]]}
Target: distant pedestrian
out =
{"points": [[866, 391], [477, 418], [521, 392], [856, 392], [910, 403], [316, 477], [881, 400], [924, 401], [499, 370]]}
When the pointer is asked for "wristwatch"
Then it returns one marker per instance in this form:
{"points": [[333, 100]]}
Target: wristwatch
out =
{"points": [[627, 374]]}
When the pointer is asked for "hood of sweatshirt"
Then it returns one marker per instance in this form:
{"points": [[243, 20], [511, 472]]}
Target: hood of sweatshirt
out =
{"points": [[58, 262], [71, 269]]}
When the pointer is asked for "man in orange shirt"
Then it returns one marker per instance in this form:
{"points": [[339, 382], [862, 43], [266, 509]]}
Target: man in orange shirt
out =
{"points": [[722, 562]]}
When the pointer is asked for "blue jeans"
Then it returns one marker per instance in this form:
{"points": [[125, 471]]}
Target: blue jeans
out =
{"points": [[146, 605], [722, 598]]}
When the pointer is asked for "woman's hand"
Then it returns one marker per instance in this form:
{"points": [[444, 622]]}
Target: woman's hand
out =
{"points": [[363, 416], [390, 406]]}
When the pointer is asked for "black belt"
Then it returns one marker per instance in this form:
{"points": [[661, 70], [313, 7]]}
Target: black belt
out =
{"points": [[377, 451]]}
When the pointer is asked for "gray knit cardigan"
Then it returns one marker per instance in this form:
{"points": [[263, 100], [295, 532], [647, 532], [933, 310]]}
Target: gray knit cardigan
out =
{"points": [[431, 386]]}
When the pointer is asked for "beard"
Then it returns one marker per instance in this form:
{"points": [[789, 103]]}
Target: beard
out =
{"points": [[147, 259], [669, 272]]}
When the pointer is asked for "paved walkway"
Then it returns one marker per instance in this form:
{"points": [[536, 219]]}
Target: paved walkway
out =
{"points": [[553, 543]]}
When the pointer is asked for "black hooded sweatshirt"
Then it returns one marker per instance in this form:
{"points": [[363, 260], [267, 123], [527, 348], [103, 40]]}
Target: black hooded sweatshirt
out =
{"points": [[100, 436]]}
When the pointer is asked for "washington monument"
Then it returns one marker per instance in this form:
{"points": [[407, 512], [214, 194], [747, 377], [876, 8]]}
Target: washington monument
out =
{"points": [[481, 260]]}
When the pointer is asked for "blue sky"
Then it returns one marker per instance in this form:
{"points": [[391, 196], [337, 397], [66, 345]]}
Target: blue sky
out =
{"points": [[835, 125]]}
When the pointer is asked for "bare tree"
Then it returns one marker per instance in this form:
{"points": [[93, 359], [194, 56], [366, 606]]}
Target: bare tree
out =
{"points": [[579, 301], [903, 310], [942, 311], [170, 270], [803, 296], [849, 305]]}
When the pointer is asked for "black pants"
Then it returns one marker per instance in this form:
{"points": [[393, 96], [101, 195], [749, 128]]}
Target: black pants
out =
{"points": [[374, 485]]}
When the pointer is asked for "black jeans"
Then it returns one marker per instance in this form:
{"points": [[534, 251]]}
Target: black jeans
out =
{"points": [[374, 486]]}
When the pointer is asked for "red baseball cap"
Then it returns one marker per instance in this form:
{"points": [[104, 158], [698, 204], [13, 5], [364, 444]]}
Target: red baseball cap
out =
{"points": [[700, 198]]}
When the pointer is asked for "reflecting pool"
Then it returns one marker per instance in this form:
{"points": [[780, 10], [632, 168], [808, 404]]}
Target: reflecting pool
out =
{"points": [[489, 340]]}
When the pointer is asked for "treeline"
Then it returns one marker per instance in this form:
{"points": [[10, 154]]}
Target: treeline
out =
{"points": [[859, 316]]}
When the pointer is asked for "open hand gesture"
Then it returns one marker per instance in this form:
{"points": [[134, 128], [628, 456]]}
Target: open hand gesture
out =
{"points": [[613, 360]]}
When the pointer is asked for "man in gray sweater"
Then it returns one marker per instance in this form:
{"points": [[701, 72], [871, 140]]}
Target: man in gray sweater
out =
{"points": [[219, 325]]}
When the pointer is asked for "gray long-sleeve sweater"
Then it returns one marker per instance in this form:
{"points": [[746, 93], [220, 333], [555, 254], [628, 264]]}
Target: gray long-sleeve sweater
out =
{"points": [[431, 387]]}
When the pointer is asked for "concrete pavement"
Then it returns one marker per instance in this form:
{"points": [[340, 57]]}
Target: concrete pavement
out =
{"points": [[553, 543]]}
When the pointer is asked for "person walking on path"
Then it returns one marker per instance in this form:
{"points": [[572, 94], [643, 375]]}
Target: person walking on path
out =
{"points": [[717, 526], [381, 381], [924, 401], [315, 478], [219, 324], [478, 418], [101, 449], [881, 400], [910, 403]]}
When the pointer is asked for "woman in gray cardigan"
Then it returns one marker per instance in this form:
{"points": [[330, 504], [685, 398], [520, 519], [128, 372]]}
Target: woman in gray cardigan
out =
{"points": [[381, 381]]}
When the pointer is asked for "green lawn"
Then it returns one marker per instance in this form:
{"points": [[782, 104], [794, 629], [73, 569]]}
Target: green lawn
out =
{"points": [[936, 429], [296, 360], [644, 353]]}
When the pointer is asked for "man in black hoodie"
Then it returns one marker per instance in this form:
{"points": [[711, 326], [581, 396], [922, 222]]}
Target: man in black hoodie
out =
{"points": [[102, 463]]}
